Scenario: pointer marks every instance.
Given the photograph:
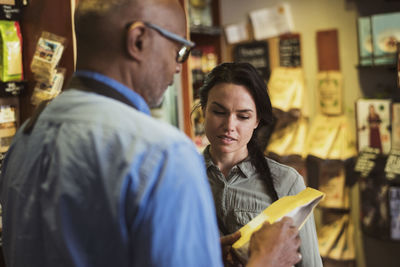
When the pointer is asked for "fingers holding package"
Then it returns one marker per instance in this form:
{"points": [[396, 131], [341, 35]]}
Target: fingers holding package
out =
{"points": [[228, 257], [275, 245]]}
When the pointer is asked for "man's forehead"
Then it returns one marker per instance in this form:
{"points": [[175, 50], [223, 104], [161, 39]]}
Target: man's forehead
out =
{"points": [[169, 15], [99, 6]]}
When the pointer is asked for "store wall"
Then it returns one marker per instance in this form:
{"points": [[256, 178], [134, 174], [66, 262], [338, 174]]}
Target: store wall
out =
{"points": [[309, 17]]}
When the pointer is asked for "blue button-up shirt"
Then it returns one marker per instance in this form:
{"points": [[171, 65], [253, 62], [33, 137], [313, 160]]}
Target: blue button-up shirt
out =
{"points": [[98, 183]]}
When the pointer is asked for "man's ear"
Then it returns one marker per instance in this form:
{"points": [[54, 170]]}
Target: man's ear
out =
{"points": [[135, 40]]}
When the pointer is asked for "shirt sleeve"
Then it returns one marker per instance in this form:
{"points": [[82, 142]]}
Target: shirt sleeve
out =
{"points": [[174, 222], [308, 236]]}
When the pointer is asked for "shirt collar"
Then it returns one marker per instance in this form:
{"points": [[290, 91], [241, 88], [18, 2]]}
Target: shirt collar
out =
{"points": [[132, 96], [245, 166]]}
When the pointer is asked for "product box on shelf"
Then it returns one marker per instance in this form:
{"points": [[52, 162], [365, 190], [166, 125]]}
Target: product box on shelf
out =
{"points": [[386, 33], [373, 124]]}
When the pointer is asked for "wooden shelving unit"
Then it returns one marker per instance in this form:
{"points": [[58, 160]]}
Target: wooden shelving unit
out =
{"points": [[202, 36]]}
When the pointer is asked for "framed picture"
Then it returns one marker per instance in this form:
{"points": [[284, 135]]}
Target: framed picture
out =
{"points": [[386, 33], [373, 124]]}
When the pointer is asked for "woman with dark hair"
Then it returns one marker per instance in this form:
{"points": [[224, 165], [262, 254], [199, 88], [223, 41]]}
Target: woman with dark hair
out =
{"points": [[235, 104]]}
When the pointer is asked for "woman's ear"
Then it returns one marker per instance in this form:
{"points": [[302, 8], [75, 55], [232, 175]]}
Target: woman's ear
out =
{"points": [[135, 38]]}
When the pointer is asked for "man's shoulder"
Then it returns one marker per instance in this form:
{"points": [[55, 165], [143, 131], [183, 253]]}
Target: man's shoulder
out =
{"points": [[95, 110]]}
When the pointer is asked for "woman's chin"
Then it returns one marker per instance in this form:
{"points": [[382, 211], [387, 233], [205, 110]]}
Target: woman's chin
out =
{"points": [[222, 148]]}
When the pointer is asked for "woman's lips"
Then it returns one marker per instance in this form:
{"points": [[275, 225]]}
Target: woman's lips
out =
{"points": [[226, 139]]}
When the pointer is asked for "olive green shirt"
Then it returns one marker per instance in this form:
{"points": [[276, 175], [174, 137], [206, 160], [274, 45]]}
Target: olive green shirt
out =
{"points": [[242, 195]]}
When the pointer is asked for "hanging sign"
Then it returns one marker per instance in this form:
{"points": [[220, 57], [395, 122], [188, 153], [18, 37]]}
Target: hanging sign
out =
{"points": [[255, 53]]}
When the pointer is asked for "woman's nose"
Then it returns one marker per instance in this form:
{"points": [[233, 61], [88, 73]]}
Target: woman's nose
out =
{"points": [[230, 123]]}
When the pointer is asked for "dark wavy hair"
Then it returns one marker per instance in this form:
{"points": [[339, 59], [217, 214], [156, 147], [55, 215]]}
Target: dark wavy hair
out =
{"points": [[246, 75]]}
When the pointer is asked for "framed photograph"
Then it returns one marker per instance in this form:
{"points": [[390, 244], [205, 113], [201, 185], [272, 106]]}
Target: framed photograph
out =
{"points": [[373, 124], [386, 34]]}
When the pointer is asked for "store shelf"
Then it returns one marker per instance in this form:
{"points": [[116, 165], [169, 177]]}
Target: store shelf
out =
{"points": [[206, 30], [328, 262], [379, 66], [336, 210]]}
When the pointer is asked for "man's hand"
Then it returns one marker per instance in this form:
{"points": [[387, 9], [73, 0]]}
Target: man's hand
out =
{"points": [[275, 245], [226, 246]]}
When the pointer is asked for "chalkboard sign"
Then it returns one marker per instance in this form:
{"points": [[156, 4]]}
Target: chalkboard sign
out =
{"points": [[255, 53], [289, 50], [11, 9]]}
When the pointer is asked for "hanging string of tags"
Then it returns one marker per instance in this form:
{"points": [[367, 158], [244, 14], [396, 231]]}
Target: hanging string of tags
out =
{"points": [[49, 78], [366, 161]]}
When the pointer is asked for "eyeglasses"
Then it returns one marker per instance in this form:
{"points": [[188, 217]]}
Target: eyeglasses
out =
{"points": [[187, 45]]}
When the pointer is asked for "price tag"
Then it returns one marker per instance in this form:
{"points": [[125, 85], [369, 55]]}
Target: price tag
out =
{"points": [[392, 167], [366, 161], [7, 114]]}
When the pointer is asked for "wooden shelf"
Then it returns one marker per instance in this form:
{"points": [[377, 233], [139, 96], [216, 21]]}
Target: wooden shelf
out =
{"points": [[378, 66], [332, 209], [205, 30], [202, 36], [51, 16]]}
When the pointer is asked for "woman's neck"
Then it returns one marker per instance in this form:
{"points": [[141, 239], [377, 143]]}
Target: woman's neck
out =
{"points": [[226, 161]]}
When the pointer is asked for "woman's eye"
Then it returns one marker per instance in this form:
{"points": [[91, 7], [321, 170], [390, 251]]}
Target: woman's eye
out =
{"points": [[244, 117], [218, 112]]}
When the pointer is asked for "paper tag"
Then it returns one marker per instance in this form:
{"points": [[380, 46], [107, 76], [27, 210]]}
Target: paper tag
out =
{"points": [[7, 114], [393, 164], [365, 162]]}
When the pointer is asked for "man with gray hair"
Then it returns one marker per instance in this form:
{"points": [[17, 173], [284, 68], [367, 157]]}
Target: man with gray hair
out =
{"points": [[93, 180]]}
